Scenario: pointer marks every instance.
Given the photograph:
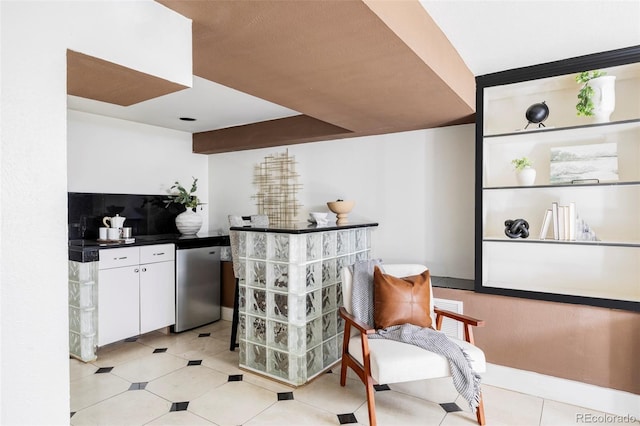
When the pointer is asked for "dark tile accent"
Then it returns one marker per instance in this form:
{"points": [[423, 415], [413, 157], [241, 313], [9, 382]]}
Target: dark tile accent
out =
{"points": [[450, 407], [235, 378], [347, 418], [179, 406], [380, 388], [131, 339], [104, 370], [159, 350], [72, 413], [147, 214], [195, 362], [285, 396], [138, 386], [204, 334]]}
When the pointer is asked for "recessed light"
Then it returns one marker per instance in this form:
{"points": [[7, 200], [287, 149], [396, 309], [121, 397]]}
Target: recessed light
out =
{"points": [[187, 119]]}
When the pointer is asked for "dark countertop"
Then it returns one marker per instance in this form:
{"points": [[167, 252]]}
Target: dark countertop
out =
{"points": [[304, 227], [88, 250]]}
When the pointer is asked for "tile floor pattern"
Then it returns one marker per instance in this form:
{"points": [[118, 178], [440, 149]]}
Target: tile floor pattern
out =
{"points": [[192, 378]]}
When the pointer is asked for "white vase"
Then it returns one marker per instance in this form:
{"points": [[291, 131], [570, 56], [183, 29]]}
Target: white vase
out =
{"points": [[604, 97], [526, 176], [188, 222]]}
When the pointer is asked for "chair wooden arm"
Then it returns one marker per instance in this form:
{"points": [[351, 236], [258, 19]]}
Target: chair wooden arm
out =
{"points": [[351, 320], [465, 319], [459, 317]]}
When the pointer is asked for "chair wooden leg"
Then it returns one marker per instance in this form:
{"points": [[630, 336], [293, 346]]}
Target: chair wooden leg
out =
{"points": [[345, 355], [343, 372], [371, 402], [236, 317], [480, 412]]}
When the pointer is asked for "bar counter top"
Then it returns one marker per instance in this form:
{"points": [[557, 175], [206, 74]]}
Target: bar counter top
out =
{"points": [[305, 227], [88, 250]]}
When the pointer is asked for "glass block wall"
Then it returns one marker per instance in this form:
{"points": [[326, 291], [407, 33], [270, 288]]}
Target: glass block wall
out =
{"points": [[83, 310], [290, 291]]}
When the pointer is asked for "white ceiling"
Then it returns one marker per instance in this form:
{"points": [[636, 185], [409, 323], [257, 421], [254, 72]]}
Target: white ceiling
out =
{"points": [[489, 35], [215, 106]]}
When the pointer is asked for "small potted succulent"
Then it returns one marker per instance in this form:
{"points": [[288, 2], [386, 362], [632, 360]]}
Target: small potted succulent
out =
{"points": [[525, 173], [188, 222]]}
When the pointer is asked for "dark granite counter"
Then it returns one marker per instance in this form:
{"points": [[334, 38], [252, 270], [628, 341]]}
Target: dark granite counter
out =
{"points": [[304, 227], [88, 250]]}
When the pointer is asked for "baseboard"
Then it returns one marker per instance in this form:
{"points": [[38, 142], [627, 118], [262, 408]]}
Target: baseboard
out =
{"points": [[597, 398], [227, 313]]}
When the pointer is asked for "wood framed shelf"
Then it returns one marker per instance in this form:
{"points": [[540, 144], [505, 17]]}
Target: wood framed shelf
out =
{"points": [[551, 241], [562, 185], [602, 128], [603, 272]]}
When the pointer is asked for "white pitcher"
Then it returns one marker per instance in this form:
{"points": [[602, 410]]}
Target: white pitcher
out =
{"points": [[114, 222]]}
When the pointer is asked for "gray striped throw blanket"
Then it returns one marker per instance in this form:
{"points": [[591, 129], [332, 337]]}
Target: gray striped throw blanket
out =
{"points": [[465, 380]]}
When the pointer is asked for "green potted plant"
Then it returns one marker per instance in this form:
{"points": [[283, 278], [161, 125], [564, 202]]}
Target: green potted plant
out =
{"points": [[521, 163], [188, 222], [585, 103], [597, 97], [525, 173], [188, 199]]}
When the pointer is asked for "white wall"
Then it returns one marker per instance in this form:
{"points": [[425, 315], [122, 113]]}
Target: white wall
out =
{"points": [[419, 186], [121, 157], [34, 360]]}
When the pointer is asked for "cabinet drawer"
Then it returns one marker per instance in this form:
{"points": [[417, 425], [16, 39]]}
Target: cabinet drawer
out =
{"points": [[117, 257], [157, 253]]}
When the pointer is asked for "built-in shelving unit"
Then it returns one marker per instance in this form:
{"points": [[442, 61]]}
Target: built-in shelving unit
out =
{"points": [[602, 271]]}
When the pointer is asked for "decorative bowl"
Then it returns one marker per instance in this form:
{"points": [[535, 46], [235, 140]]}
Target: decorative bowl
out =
{"points": [[341, 208], [318, 217]]}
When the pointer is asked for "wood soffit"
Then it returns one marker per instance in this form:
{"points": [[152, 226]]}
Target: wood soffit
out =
{"points": [[351, 68], [93, 78]]}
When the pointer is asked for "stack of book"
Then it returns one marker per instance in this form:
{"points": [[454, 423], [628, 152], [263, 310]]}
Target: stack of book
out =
{"points": [[564, 224]]}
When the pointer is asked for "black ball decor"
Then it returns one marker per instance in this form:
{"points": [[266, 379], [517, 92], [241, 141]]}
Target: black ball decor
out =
{"points": [[536, 114], [517, 228]]}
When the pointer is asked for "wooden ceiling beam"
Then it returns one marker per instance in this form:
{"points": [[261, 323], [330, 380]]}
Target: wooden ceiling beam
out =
{"points": [[370, 67], [283, 131]]}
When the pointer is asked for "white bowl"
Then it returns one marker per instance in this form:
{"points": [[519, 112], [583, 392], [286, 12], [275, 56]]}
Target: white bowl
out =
{"points": [[319, 217]]}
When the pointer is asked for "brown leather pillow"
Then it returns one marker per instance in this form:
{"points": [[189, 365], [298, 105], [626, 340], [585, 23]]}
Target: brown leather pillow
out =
{"points": [[401, 300]]}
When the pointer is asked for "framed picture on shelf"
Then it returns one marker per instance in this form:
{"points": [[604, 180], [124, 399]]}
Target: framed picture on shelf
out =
{"points": [[584, 163]]}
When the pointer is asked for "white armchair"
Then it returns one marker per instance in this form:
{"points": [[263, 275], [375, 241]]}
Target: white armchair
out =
{"points": [[384, 361]]}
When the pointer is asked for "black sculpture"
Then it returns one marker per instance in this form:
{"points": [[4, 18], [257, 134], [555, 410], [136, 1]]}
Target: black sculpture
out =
{"points": [[536, 114], [518, 228]]}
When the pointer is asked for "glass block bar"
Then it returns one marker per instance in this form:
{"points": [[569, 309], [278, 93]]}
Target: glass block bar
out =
{"points": [[83, 310], [290, 292]]}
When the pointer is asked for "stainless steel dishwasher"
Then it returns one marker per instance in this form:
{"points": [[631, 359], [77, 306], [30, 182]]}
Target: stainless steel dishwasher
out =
{"points": [[197, 285]]}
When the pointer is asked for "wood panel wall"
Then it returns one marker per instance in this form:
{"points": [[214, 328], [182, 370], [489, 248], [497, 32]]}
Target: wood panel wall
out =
{"points": [[599, 346]]}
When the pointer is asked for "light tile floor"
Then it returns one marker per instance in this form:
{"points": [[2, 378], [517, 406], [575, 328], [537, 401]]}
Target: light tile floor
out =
{"points": [[192, 378]]}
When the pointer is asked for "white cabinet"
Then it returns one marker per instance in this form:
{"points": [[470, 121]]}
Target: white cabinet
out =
{"points": [[136, 291], [118, 304], [604, 271], [157, 287]]}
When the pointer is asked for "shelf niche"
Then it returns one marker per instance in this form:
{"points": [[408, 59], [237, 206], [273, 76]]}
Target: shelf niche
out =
{"points": [[605, 272]]}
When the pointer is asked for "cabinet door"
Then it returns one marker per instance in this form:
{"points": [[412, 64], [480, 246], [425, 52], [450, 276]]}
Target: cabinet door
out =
{"points": [[157, 296], [118, 304]]}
